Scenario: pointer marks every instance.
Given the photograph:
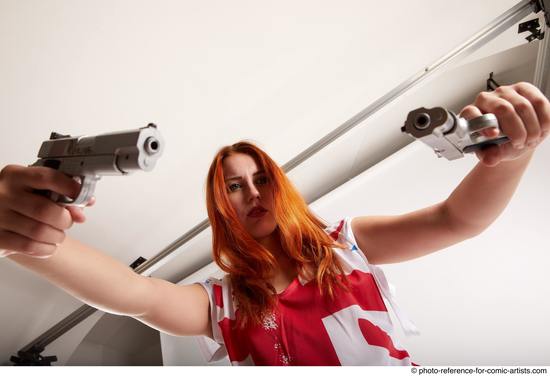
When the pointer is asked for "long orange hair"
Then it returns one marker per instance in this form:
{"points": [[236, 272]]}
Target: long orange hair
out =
{"points": [[250, 265]]}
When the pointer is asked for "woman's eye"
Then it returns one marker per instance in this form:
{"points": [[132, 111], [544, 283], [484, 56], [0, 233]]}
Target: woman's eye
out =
{"points": [[233, 187], [263, 180]]}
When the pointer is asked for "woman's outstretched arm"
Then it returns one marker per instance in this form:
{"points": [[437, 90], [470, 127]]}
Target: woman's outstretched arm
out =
{"points": [[32, 234], [524, 116], [105, 283]]}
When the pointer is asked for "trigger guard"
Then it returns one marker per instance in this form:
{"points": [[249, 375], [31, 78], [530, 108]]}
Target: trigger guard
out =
{"points": [[86, 191], [476, 125], [483, 122]]}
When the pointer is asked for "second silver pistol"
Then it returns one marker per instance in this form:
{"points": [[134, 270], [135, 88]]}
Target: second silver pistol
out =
{"points": [[449, 135]]}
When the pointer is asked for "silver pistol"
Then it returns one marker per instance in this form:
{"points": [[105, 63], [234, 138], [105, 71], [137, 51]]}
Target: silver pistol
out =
{"points": [[89, 157], [449, 135]]}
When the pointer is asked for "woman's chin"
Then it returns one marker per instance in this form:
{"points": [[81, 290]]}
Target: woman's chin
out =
{"points": [[262, 231]]}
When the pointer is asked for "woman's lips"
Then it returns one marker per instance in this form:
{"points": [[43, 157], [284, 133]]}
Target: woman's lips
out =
{"points": [[257, 212]]}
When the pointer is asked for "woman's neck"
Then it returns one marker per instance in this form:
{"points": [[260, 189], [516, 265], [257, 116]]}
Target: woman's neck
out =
{"points": [[272, 243], [285, 269]]}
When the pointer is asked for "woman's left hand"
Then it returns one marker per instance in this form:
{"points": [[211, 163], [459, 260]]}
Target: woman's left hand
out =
{"points": [[523, 114]]}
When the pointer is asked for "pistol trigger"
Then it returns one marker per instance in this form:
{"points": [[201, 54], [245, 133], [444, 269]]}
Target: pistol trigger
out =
{"points": [[87, 188]]}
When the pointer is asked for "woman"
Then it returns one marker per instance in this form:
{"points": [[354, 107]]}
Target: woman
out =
{"points": [[297, 291]]}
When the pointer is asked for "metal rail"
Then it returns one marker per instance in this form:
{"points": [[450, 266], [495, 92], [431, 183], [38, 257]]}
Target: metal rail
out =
{"points": [[541, 79], [489, 32]]}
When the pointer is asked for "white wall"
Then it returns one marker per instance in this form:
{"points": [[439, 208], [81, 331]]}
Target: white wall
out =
{"points": [[118, 340]]}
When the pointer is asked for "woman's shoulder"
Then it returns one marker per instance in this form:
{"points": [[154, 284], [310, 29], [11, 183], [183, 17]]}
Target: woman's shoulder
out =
{"points": [[346, 249], [217, 282], [220, 294], [340, 231]]}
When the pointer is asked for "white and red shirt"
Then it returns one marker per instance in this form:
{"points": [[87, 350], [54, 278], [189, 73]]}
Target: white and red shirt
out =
{"points": [[354, 328]]}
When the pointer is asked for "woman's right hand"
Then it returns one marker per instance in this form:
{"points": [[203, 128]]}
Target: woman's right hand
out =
{"points": [[32, 224]]}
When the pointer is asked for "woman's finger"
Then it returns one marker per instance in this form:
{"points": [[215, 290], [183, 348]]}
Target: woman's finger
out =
{"points": [[487, 155], [41, 209], [540, 104], [470, 112], [17, 223], [91, 202], [43, 178], [509, 121], [525, 110], [77, 214]]}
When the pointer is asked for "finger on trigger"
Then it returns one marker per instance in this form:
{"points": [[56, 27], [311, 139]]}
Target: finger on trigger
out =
{"points": [[91, 202], [47, 178], [490, 132]]}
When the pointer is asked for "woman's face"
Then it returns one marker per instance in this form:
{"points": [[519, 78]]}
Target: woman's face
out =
{"points": [[250, 193]]}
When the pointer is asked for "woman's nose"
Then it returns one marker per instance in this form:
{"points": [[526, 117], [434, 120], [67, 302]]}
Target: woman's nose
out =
{"points": [[253, 191]]}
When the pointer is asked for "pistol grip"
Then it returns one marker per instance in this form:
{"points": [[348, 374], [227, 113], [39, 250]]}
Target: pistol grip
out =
{"points": [[495, 141], [480, 141]]}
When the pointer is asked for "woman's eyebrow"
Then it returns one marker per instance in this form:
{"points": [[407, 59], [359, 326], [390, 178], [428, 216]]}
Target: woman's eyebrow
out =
{"points": [[240, 177]]}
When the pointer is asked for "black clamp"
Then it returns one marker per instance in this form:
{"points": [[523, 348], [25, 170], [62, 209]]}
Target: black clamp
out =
{"points": [[533, 26], [32, 357], [491, 84], [140, 260]]}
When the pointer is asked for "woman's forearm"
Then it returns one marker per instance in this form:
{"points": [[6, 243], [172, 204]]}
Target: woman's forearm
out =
{"points": [[484, 193], [93, 277]]}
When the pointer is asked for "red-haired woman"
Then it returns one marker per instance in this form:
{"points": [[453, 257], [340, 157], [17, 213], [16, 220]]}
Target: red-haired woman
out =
{"points": [[297, 291]]}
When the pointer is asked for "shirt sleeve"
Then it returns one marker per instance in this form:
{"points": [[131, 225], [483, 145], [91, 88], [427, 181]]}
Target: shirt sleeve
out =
{"points": [[351, 257], [349, 239], [213, 350]]}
